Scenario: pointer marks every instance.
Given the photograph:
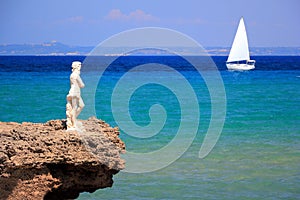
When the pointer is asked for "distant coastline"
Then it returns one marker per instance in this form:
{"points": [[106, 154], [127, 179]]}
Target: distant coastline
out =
{"points": [[58, 49]]}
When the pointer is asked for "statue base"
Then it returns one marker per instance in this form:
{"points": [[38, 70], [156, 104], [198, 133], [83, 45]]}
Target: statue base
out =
{"points": [[79, 127]]}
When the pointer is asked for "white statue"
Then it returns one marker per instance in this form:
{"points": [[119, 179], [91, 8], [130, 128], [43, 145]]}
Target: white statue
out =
{"points": [[74, 101]]}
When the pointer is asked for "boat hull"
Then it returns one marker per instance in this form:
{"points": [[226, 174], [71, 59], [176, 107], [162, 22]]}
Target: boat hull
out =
{"points": [[239, 67]]}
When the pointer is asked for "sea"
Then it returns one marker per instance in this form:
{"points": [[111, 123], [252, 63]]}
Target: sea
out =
{"points": [[255, 150]]}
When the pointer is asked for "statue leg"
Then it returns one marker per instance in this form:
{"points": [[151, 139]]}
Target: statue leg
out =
{"points": [[74, 110], [80, 106], [69, 115]]}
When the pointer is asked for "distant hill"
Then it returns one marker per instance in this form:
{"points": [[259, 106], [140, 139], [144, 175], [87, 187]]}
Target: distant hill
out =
{"points": [[56, 48], [49, 48], [258, 51]]}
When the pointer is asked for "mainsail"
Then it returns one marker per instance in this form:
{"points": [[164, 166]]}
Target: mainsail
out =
{"points": [[239, 50]]}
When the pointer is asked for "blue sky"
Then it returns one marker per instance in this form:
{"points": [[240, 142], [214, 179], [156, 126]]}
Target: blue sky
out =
{"points": [[210, 22]]}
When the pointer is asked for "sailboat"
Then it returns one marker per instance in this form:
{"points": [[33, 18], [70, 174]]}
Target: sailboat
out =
{"points": [[239, 57]]}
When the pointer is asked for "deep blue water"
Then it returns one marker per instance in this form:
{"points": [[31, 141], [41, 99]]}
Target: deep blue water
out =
{"points": [[256, 157], [62, 63]]}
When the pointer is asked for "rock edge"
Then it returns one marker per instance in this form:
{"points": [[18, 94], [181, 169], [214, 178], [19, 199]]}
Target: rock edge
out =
{"points": [[44, 161]]}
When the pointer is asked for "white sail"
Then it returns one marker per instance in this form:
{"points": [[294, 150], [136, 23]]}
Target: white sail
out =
{"points": [[239, 50]]}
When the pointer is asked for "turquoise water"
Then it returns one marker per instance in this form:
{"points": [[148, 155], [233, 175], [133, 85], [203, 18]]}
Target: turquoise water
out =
{"points": [[256, 157]]}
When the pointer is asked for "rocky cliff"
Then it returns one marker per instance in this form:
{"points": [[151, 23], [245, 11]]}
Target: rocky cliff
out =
{"points": [[44, 161]]}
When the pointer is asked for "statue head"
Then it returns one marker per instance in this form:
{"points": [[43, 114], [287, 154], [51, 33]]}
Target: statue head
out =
{"points": [[76, 65]]}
